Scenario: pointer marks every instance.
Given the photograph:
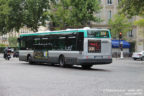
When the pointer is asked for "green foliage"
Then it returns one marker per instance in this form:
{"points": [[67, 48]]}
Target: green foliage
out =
{"points": [[14, 14], [73, 13], [35, 13], [12, 41], [3, 45], [139, 22], [4, 12], [132, 7], [119, 24]]}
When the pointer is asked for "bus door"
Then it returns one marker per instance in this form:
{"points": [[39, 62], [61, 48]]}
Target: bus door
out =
{"points": [[40, 49]]}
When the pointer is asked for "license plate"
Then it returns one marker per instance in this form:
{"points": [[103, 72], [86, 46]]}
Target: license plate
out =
{"points": [[98, 57]]}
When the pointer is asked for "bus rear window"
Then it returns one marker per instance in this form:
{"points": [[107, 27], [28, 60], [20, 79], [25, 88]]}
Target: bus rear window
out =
{"points": [[98, 34]]}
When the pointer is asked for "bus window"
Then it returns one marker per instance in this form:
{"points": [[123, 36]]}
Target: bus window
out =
{"points": [[80, 41], [23, 45], [98, 34], [36, 43], [61, 43], [29, 43], [71, 43]]}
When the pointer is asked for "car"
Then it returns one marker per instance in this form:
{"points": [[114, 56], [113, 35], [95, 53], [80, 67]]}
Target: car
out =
{"points": [[138, 55], [12, 50]]}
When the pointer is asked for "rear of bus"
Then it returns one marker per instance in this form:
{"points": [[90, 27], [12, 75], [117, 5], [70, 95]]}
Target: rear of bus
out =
{"points": [[97, 47]]}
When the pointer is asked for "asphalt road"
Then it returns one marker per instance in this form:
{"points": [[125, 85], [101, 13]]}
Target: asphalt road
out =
{"points": [[121, 78]]}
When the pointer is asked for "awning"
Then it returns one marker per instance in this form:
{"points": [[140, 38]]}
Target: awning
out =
{"points": [[115, 44]]}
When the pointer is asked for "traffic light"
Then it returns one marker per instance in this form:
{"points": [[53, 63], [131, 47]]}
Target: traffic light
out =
{"points": [[120, 35]]}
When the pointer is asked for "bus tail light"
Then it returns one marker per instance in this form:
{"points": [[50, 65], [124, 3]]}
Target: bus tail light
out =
{"points": [[86, 57], [109, 57]]}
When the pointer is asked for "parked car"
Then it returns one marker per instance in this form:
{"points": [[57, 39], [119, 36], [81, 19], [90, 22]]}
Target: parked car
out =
{"points": [[12, 50], [138, 55]]}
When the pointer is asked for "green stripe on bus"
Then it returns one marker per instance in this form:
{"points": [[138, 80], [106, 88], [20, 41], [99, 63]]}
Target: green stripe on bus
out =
{"points": [[59, 32], [47, 33]]}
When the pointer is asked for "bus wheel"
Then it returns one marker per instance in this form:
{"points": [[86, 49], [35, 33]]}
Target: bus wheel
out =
{"points": [[62, 61], [86, 66], [51, 64], [30, 60], [134, 58]]}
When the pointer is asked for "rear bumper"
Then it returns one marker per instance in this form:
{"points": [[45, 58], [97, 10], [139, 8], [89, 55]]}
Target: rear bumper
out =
{"points": [[93, 61], [136, 57]]}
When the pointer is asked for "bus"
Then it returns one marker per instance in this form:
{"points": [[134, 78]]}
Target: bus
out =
{"points": [[85, 47]]}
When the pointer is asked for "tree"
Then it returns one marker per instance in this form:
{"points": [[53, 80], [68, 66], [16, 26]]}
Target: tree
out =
{"points": [[14, 14], [4, 12], [36, 13], [15, 18], [119, 24], [12, 41], [74, 13], [132, 7], [139, 22]]}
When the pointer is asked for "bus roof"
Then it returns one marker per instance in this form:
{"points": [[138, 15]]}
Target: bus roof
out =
{"points": [[59, 32]]}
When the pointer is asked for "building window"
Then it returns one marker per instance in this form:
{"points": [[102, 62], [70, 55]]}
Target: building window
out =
{"points": [[131, 33], [109, 14], [109, 1]]}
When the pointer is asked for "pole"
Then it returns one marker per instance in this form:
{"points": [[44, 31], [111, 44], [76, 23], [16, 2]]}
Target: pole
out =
{"points": [[121, 48], [121, 45]]}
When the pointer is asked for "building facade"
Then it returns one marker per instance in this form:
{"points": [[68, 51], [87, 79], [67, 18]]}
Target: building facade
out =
{"points": [[109, 9], [107, 12], [4, 38]]}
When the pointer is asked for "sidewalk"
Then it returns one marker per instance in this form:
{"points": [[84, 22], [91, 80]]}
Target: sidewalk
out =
{"points": [[1, 55], [125, 58]]}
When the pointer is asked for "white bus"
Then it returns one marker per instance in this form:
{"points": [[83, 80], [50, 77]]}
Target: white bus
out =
{"points": [[85, 47]]}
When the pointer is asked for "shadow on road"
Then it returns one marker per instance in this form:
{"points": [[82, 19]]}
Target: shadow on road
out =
{"points": [[74, 67]]}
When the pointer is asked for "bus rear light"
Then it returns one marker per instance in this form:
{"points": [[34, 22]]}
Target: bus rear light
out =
{"points": [[86, 57], [109, 57]]}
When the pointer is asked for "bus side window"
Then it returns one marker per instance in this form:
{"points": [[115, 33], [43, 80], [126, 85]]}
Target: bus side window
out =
{"points": [[70, 43], [23, 45], [61, 43], [80, 41]]}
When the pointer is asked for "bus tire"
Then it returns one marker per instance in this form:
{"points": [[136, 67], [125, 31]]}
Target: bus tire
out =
{"points": [[30, 60], [134, 59], [62, 61], [86, 66]]}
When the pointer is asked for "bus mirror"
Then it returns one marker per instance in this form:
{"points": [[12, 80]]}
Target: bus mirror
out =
{"points": [[18, 39]]}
